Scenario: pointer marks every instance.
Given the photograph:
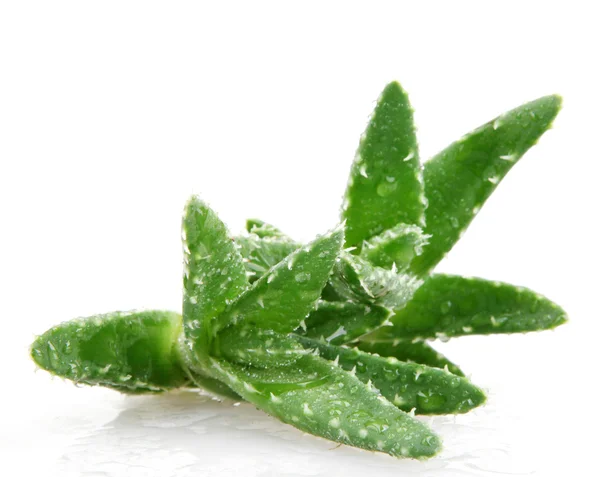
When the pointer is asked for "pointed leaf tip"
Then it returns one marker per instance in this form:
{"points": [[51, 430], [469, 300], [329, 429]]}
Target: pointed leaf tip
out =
{"points": [[428, 390], [320, 398], [194, 203], [459, 179], [284, 296], [214, 276], [448, 306], [262, 229], [385, 185]]}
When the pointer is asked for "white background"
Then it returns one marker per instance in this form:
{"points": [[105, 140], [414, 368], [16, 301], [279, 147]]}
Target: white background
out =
{"points": [[113, 113]]}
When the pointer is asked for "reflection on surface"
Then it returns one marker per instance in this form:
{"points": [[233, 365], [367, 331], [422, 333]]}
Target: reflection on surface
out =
{"points": [[187, 434]]}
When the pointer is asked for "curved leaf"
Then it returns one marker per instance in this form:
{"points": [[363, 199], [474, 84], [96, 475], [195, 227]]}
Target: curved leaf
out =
{"points": [[283, 297], [447, 306], [343, 322], [459, 179], [405, 350], [396, 247], [214, 277], [131, 352], [408, 385], [260, 254], [318, 397], [257, 347], [213, 386], [354, 278]]}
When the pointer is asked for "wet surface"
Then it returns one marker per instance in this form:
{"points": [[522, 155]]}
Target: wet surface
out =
{"points": [[190, 434], [92, 432]]}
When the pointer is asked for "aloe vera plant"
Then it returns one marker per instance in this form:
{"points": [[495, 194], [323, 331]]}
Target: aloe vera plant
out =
{"points": [[401, 220], [331, 336]]}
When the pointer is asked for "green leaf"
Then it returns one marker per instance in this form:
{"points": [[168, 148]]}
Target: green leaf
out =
{"points": [[355, 279], [257, 347], [405, 350], [329, 293], [131, 352], [459, 179], [320, 398], [283, 297], [408, 385], [385, 186], [214, 387], [448, 306], [263, 229], [396, 247], [260, 254], [214, 277], [343, 322]]}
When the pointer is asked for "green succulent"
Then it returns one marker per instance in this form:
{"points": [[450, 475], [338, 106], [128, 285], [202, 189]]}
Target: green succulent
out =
{"points": [[331, 336]]}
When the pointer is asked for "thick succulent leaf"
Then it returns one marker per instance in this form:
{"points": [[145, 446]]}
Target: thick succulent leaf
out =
{"points": [[395, 248], [385, 185], [342, 322], [263, 229], [256, 347], [408, 385], [447, 306], [132, 352], [355, 279], [260, 254], [214, 277], [213, 386], [283, 297], [405, 350], [459, 179], [318, 397]]}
